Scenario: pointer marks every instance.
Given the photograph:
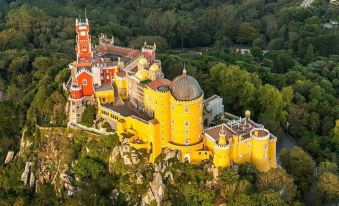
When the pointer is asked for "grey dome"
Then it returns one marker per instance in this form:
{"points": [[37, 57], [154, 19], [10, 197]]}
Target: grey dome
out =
{"points": [[185, 88]]}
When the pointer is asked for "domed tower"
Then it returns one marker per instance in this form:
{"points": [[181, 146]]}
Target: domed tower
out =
{"points": [[155, 72], [186, 110]]}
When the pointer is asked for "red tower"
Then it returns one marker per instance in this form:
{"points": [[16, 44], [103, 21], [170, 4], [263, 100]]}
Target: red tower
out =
{"points": [[83, 47]]}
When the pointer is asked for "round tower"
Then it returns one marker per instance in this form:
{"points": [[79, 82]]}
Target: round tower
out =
{"points": [[260, 148], [186, 110]]}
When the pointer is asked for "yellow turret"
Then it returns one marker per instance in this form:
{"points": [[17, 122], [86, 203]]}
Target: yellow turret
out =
{"points": [[222, 136]]}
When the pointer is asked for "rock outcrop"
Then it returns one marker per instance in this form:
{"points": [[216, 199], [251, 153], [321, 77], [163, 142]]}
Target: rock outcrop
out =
{"points": [[9, 157], [156, 190]]}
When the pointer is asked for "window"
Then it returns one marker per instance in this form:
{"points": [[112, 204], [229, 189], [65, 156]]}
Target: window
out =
{"points": [[266, 147], [186, 123], [107, 77], [240, 157], [172, 107], [248, 145], [172, 121], [186, 109], [187, 141], [186, 131], [84, 82], [83, 33]]}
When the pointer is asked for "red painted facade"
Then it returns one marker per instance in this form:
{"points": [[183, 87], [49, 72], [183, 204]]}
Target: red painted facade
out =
{"points": [[107, 75], [76, 93], [85, 81]]}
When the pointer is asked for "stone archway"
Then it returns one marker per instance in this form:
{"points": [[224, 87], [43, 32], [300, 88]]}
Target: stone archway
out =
{"points": [[187, 158]]}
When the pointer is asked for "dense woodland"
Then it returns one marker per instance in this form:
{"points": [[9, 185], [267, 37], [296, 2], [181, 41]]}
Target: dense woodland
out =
{"points": [[289, 80]]}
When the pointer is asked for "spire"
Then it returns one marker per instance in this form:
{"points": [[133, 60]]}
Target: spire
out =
{"points": [[86, 15], [145, 43], [222, 131], [184, 71], [155, 45]]}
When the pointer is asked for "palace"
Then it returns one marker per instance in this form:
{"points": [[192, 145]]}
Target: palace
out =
{"points": [[133, 96]]}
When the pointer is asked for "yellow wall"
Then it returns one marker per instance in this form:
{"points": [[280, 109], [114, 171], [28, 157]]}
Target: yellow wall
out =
{"points": [[258, 150], [122, 86], [158, 103], [190, 111], [272, 153], [105, 96], [260, 153]]}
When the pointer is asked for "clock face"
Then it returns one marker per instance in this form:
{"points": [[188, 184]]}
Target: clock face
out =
{"points": [[83, 33]]}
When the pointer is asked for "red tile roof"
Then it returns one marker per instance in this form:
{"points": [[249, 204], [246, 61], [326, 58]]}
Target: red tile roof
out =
{"points": [[121, 74], [121, 51], [214, 132], [159, 82]]}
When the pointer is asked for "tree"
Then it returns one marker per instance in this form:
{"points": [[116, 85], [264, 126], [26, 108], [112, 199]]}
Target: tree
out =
{"points": [[162, 23], [326, 189], [88, 116], [87, 167], [246, 33], [257, 53], [160, 42], [279, 181], [299, 164], [184, 27], [309, 56], [270, 198], [224, 80]]}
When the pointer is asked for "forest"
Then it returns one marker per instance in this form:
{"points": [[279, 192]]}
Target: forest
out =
{"points": [[288, 77]]}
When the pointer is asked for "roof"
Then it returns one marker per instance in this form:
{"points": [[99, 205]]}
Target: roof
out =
{"points": [[104, 87], [154, 68], [157, 83], [142, 74], [127, 110], [213, 132], [185, 88], [121, 74], [121, 51]]}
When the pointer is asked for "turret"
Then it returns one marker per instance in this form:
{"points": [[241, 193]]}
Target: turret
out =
{"points": [[149, 52], [222, 137]]}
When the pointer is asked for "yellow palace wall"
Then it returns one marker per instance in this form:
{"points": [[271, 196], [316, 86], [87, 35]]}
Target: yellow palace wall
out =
{"points": [[250, 150], [186, 121], [158, 103], [105, 96]]}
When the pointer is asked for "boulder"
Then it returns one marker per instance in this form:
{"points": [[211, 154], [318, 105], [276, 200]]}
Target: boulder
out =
{"points": [[9, 157], [139, 178], [169, 177], [135, 159], [115, 194], [156, 190], [127, 160], [31, 180], [115, 153], [25, 174], [170, 155]]}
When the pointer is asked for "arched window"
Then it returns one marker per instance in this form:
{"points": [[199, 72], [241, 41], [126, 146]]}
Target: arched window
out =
{"points": [[187, 141], [187, 123], [186, 109]]}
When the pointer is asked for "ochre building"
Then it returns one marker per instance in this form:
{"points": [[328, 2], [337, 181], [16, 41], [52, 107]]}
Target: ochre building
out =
{"points": [[134, 97]]}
